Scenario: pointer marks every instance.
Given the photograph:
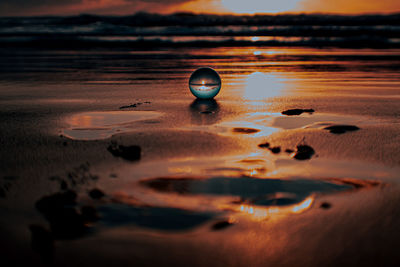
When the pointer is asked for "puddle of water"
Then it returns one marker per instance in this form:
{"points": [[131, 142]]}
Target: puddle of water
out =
{"points": [[157, 218], [263, 192], [261, 124], [103, 124], [255, 198], [316, 121]]}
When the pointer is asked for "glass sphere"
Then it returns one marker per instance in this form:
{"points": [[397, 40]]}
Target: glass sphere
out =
{"points": [[205, 83]]}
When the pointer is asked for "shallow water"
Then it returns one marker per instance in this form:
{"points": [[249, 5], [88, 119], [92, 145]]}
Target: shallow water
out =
{"points": [[104, 124], [200, 183]]}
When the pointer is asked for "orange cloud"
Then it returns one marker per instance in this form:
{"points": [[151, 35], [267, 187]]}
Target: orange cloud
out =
{"points": [[126, 7], [350, 7]]}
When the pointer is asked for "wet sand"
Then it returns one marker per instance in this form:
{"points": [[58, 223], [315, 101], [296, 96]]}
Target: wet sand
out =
{"points": [[295, 163]]}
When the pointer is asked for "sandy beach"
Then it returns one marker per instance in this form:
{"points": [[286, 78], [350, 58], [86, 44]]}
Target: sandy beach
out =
{"points": [[107, 159]]}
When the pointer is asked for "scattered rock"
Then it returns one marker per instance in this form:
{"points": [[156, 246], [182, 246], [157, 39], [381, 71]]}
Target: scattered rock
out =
{"points": [[264, 145], [59, 210], [130, 153], [275, 150], [325, 205], [79, 176], [304, 152], [341, 129], [129, 106], [96, 193], [50, 203], [221, 225], [134, 105], [245, 130], [296, 111]]}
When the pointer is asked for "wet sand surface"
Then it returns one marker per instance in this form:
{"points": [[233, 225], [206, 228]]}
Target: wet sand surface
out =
{"points": [[106, 158]]}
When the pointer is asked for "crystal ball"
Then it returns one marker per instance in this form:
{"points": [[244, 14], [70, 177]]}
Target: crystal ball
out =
{"points": [[205, 83]]}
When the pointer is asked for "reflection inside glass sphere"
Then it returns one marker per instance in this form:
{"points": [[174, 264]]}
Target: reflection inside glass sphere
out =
{"points": [[205, 83]]}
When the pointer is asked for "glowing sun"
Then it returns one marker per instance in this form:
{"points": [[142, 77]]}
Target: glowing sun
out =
{"points": [[259, 6]]}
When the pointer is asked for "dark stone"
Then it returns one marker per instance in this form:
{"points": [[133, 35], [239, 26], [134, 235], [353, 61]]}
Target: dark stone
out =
{"points": [[341, 129], [275, 150], [304, 152], [325, 205], [134, 105], [89, 214], [128, 106], [289, 150], [264, 145], [59, 210], [296, 111], [221, 225], [96, 193], [245, 130], [130, 153], [49, 203]]}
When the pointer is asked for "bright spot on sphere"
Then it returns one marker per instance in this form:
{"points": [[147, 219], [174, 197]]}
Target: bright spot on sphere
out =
{"points": [[205, 83]]}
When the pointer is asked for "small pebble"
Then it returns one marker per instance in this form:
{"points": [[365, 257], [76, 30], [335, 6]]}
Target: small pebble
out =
{"points": [[304, 152], [96, 193], [296, 111], [325, 205], [221, 225], [341, 129], [264, 145], [275, 150]]}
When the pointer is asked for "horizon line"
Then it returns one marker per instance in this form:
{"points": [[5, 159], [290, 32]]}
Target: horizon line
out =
{"points": [[313, 13]]}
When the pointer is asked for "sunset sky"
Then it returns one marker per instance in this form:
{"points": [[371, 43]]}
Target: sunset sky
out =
{"points": [[124, 7]]}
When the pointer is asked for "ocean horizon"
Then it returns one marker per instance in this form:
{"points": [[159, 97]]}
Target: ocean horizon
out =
{"points": [[203, 30]]}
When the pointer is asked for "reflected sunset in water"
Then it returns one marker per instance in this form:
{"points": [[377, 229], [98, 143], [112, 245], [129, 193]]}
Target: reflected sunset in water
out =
{"points": [[286, 155]]}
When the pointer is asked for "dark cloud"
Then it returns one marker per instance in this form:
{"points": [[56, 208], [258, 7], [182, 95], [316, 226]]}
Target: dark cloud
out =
{"points": [[22, 7], [60, 7], [36, 3]]}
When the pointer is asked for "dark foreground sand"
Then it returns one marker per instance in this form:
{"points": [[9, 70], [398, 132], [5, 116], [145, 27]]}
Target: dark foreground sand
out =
{"points": [[106, 159]]}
